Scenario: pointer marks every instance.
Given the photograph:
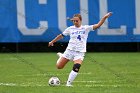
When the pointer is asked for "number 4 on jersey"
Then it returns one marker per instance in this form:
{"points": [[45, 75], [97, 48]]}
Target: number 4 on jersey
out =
{"points": [[79, 37]]}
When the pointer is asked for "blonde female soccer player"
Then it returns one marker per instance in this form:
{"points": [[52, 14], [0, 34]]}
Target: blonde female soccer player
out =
{"points": [[76, 48]]}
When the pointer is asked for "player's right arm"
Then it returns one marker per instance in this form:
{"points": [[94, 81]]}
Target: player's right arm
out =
{"points": [[60, 36], [51, 43]]}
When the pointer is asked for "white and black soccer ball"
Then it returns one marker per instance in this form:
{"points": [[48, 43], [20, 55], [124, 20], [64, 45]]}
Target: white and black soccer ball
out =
{"points": [[54, 81]]}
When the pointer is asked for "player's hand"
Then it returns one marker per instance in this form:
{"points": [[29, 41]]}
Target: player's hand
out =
{"points": [[50, 44], [108, 14]]}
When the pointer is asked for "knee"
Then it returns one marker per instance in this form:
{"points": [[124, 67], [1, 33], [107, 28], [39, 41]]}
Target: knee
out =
{"points": [[76, 67]]}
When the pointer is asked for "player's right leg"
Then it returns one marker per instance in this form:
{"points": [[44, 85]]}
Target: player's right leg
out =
{"points": [[61, 62]]}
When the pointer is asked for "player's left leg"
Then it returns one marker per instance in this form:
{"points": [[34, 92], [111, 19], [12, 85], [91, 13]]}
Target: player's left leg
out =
{"points": [[59, 55], [74, 72], [61, 62]]}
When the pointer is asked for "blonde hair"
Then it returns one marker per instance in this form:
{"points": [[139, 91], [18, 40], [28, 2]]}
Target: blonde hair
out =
{"points": [[78, 15]]}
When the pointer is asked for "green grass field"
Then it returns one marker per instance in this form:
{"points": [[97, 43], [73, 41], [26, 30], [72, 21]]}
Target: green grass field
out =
{"points": [[100, 73]]}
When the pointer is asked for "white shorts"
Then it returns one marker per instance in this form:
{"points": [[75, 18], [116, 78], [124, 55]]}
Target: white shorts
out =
{"points": [[73, 55]]}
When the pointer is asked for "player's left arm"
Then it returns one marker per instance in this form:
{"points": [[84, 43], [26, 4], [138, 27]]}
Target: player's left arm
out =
{"points": [[95, 26]]}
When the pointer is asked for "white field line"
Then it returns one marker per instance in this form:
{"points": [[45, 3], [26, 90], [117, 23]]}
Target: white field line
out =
{"points": [[61, 74], [13, 58], [7, 84], [91, 81], [100, 81], [117, 85], [31, 84], [22, 84]]}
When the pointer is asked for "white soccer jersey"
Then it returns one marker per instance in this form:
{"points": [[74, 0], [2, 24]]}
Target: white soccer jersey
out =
{"points": [[78, 37]]}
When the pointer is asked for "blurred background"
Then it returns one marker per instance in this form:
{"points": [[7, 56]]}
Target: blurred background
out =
{"points": [[28, 25]]}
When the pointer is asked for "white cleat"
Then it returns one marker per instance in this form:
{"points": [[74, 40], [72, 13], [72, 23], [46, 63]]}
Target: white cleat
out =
{"points": [[69, 85], [59, 54]]}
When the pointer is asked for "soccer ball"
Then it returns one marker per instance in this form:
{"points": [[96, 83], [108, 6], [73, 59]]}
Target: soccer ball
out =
{"points": [[54, 81]]}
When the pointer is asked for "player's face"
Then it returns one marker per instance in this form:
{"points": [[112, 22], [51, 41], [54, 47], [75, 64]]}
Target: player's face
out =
{"points": [[76, 21]]}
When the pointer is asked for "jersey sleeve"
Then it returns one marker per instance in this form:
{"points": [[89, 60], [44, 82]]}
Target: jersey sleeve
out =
{"points": [[66, 32], [89, 27]]}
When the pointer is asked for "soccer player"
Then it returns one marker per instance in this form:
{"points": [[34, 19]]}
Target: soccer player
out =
{"points": [[76, 48]]}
